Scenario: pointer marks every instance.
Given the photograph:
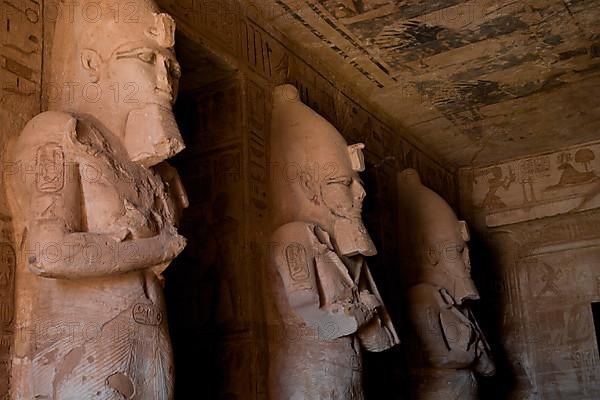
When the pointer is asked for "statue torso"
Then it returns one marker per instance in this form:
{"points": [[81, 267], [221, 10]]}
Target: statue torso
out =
{"points": [[94, 327]]}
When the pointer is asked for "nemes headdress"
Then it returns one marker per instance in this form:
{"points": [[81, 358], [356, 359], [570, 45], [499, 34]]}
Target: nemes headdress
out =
{"points": [[305, 142], [103, 26], [428, 225]]}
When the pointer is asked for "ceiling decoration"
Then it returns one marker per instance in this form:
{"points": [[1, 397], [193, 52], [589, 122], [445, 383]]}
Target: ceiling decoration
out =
{"points": [[470, 82]]}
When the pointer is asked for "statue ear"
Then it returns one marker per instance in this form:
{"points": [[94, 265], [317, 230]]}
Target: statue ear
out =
{"points": [[431, 253], [90, 60], [307, 183], [433, 256]]}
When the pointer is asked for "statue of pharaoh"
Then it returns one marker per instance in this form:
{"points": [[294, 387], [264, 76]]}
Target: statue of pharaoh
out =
{"points": [[447, 345], [95, 210], [327, 303]]}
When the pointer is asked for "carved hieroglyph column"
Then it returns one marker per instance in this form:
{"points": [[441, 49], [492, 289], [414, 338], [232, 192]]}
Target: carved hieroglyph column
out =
{"points": [[328, 304], [95, 210]]}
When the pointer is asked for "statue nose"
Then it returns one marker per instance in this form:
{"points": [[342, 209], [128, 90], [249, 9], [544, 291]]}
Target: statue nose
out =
{"points": [[359, 191]]}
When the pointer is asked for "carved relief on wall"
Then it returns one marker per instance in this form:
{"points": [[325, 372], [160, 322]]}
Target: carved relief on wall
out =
{"points": [[559, 289], [218, 20], [20, 59], [526, 189], [214, 227], [546, 279], [220, 282], [266, 58], [20, 86]]}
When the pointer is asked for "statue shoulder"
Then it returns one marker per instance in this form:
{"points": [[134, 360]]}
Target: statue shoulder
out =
{"points": [[425, 295], [295, 232], [46, 128], [296, 240]]}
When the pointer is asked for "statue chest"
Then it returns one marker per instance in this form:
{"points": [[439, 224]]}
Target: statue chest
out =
{"points": [[119, 196], [334, 279]]}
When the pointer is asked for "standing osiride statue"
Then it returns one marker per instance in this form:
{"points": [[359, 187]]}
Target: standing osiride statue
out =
{"points": [[328, 305], [94, 219], [447, 346]]}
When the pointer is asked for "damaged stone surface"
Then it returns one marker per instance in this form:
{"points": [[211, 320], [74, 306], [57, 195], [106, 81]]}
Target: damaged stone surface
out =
{"points": [[95, 215]]}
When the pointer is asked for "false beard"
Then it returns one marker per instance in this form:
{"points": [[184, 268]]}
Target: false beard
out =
{"points": [[152, 135], [351, 237], [464, 289]]}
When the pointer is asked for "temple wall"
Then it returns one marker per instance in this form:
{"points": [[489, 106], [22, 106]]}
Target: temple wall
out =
{"points": [[537, 263], [217, 306], [21, 41], [235, 170], [536, 220]]}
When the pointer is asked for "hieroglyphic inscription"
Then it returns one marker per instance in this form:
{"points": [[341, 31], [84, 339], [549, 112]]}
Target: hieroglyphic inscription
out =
{"points": [[20, 88], [20, 57], [147, 314], [257, 151], [328, 43], [295, 255], [263, 54], [558, 183], [8, 261], [50, 163]]}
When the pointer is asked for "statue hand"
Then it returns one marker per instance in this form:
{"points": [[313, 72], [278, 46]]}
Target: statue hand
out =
{"points": [[484, 364], [375, 337], [177, 244], [361, 313], [369, 300]]}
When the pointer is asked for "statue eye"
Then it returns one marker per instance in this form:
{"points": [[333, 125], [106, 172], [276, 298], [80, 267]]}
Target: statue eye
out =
{"points": [[346, 181], [147, 57]]}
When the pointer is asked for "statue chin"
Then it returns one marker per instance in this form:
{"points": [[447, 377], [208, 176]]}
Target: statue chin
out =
{"points": [[351, 238], [152, 135]]}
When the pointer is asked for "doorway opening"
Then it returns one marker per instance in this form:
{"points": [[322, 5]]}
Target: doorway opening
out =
{"points": [[596, 316]]}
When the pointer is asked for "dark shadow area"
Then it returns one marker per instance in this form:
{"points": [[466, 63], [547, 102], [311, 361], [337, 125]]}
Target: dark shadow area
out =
{"points": [[196, 281], [385, 374], [596, 316], [489, 311]]}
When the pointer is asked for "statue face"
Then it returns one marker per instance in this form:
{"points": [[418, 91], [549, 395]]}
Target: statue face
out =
{"points": [[137, 76], [343, 194], [146, 69], [452, 270]]}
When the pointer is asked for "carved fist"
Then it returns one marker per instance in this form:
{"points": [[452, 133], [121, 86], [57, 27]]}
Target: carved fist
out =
{"points": [[369, 300], [178, 243], [375, 337], [484, 364], [360, 312]]}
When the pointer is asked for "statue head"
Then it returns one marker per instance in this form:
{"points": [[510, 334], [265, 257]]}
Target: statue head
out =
{"points": [[434, 237], [316, 174], [115, 62]]}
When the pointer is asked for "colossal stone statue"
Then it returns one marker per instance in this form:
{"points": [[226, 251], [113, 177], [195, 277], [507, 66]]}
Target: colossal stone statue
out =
{"points": [[328, 305], [94, 219], [447, 343]]}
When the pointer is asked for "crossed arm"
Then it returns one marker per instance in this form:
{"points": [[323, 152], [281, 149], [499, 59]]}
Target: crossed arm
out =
{"points": [[295, 256], [59, 247]]}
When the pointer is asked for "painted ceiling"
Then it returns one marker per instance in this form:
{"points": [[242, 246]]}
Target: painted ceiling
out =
{"points": [[471, 83]]}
